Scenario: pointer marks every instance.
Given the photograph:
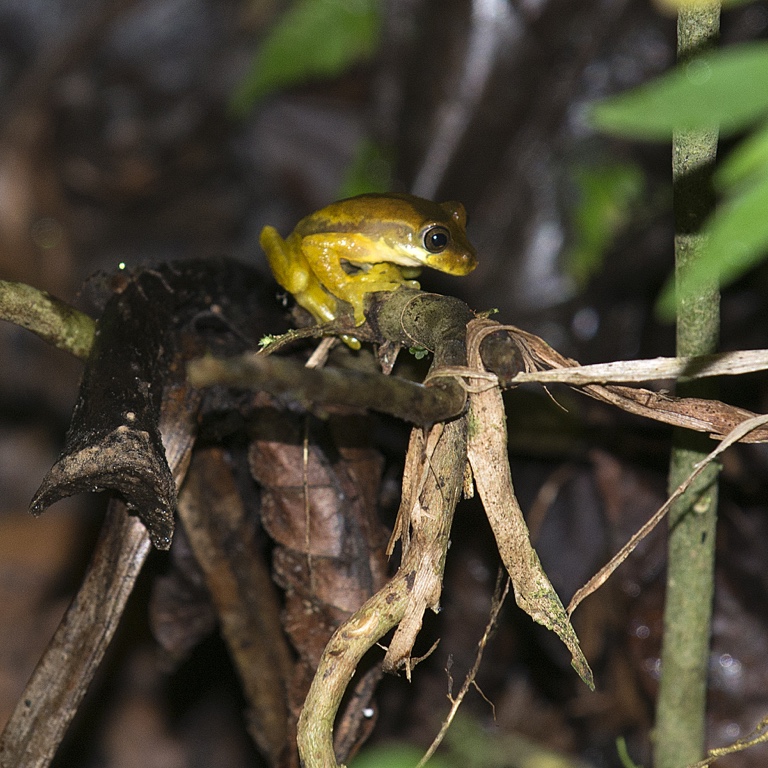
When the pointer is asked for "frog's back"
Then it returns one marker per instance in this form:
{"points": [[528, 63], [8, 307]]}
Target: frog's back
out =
{"points": [[357, 214]]}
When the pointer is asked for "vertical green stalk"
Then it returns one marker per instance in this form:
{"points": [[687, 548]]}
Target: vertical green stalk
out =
{"points": [[681, 706]]}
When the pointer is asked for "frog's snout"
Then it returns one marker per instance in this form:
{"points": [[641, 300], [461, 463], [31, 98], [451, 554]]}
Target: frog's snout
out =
{"points": [[469, 261], [453, 263]]}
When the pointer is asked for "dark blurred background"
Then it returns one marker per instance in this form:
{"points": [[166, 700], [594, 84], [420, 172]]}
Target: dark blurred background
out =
{"points": [[128, 134]]}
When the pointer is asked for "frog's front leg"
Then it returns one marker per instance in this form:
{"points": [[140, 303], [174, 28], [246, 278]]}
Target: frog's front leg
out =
{"points": [[292, 271], [378, 277], [325, 259]]}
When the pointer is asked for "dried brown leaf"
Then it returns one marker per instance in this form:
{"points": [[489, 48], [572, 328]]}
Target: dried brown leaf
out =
{"points": [[487, 452], [716, 418], [430, 494], [656, 369], [221, 536], [319, 487]]}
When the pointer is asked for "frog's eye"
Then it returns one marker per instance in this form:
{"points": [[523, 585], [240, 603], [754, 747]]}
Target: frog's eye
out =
{"points": [[436, 239]]}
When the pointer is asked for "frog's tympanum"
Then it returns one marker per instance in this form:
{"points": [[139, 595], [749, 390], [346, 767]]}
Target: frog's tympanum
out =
{"points": [[365, 244]]}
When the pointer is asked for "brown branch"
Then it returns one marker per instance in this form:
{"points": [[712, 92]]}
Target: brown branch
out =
{"points": [[499, 596], [404, 317], [221, 537], [714, 417], [52, 696], [407, 400]]}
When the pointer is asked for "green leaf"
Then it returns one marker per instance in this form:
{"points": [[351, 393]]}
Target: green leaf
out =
{"points": [[726, 89], [314, 39], [623, 752], [394, 756], [607, 193], [418, 352], [736, 238], [747, 162], [370, 170]]}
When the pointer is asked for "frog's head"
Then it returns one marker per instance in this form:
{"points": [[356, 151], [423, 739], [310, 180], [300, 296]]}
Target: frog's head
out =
{"points": [[442, 240], [406, 230]]}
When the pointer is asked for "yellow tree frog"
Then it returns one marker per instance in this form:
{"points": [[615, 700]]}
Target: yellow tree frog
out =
{"points": [[365, 244]]}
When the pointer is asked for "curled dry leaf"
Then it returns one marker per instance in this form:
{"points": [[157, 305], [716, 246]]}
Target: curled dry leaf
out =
{"points": [[157, 320], [487, 452], [656, 369], [716, 418]]}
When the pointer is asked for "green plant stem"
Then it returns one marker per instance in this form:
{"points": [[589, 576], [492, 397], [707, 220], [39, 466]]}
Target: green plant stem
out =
{"points": [[681, 706]]}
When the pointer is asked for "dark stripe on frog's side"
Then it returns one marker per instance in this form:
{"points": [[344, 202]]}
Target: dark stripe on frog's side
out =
{"points": [[386, 209]]}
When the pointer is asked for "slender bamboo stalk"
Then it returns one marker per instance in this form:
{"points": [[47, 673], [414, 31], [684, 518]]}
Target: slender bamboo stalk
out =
{"points": [[681, 706]]}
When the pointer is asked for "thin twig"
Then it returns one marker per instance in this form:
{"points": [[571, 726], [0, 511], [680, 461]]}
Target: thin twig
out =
{"points": [[499, 597], [605, 572]]}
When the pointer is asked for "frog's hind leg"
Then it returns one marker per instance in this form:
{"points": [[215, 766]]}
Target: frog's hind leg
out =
{"points": [[292, 272], [287, 264]]}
